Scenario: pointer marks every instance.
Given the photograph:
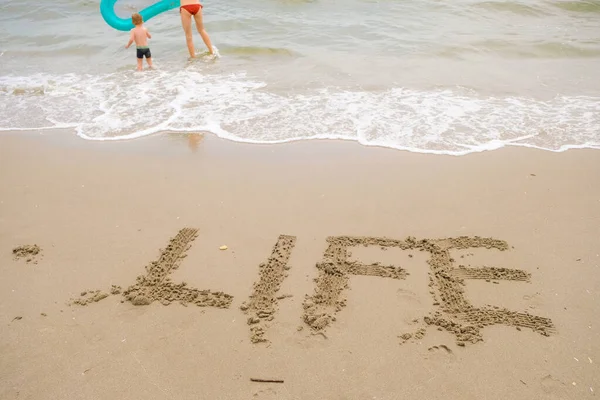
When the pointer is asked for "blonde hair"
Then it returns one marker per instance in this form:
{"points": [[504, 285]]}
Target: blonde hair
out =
{"points": [[137, 19]]}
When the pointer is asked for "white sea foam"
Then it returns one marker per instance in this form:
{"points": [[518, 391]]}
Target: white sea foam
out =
{"points": [[126, 105]]}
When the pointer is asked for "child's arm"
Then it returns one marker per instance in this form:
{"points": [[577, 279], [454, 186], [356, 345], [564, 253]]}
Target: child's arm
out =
{"points": [[148, 34], [130, 40]]}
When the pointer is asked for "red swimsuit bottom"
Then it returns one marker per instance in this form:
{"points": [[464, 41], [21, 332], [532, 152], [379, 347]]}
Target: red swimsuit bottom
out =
{"points": [[191, 8]]}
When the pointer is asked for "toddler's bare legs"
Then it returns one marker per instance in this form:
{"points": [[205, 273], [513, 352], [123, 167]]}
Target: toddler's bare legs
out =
{"points": [[140, 63], [149, 61], [202, 31]]}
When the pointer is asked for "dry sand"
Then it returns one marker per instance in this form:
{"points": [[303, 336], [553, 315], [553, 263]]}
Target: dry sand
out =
{"points": [[349, 273]]}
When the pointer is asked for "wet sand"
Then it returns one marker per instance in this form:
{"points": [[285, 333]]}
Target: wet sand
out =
{"points": [[349, 273]]}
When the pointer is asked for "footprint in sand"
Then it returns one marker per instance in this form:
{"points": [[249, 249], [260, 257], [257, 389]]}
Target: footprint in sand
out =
{"points": [[408, 296], [534, 300], [440, 352], [554, 387], [266, 394]]}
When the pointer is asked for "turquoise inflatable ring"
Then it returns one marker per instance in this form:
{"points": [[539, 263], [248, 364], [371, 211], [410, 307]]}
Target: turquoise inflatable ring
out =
{"points": [[107, 9]]}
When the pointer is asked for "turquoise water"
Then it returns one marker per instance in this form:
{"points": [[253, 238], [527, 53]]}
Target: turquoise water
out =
{"points": [[427, 76]]}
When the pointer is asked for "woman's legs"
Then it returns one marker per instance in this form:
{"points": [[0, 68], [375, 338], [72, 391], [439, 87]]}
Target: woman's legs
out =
{"points": [[186, 23], [202, 32]]}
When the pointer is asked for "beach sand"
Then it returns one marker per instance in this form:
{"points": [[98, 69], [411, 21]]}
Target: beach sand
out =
{"points": [[349, 271]]}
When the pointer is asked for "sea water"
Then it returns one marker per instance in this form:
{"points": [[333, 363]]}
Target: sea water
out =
{"points": [[423, 75]]}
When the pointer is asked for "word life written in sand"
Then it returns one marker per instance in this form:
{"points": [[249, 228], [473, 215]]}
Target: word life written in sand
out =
{"points": [[454, 313]]}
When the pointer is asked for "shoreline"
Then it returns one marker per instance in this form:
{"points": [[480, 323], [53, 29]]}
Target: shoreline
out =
{"points": [[61, 131], [100, 213]]}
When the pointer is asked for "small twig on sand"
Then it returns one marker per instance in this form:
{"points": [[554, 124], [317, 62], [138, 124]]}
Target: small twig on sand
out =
{"points": [[267, 380]]}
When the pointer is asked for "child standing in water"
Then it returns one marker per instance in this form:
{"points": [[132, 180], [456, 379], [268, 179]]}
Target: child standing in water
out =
{"points": [[140, 36]]}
